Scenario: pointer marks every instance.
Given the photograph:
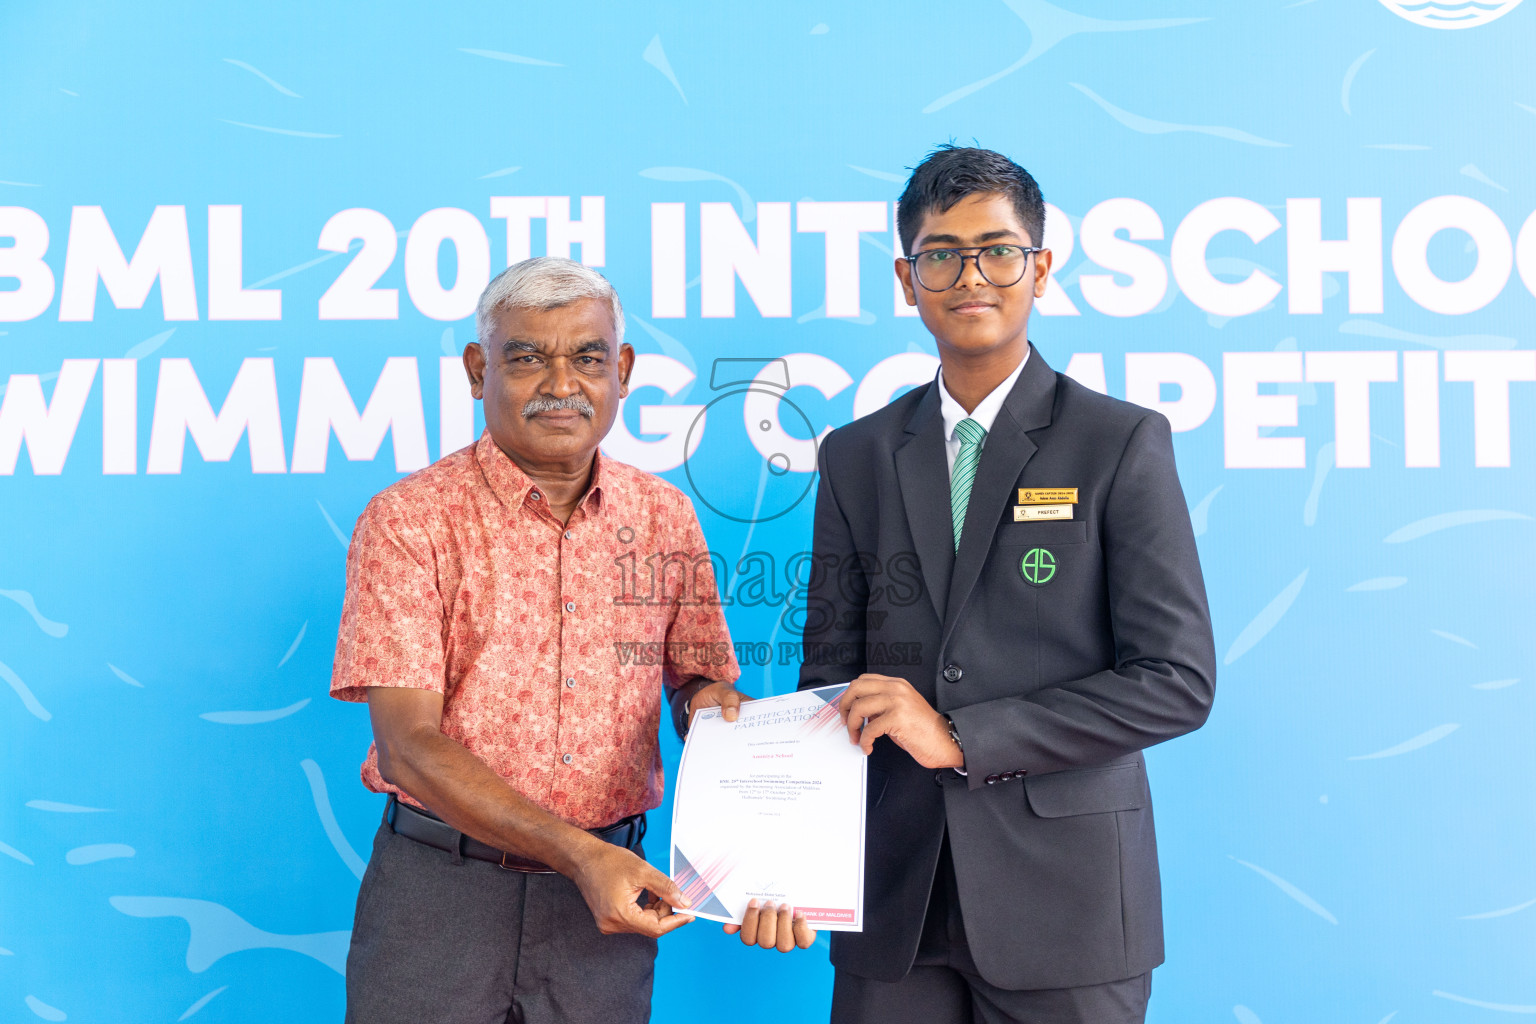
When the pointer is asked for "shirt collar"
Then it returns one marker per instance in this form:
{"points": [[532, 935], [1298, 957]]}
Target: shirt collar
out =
{"points": [[512, 486], [986, 410]]}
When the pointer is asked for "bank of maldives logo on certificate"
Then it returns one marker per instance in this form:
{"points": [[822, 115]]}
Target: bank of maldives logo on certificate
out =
{"points": [[771, 807], [1450, 13]]}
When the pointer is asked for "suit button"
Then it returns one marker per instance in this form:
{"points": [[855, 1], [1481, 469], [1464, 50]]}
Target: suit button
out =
{"points": [[992, 779], [952, 673]]}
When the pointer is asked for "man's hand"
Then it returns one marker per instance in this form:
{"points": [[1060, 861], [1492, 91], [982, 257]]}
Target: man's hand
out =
{"points": [[611, 880], [724, 696], [875, 706], [782, 929]]}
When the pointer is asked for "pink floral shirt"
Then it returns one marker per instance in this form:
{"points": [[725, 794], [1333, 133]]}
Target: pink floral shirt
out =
{"points": [[550, 644]]}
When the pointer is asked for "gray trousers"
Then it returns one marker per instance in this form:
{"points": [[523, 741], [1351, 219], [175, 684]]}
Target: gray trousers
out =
{"points": [[945, 987], [461, 941]]}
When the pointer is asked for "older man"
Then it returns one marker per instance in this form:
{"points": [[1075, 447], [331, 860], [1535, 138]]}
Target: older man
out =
{"points": [[488, 598]]}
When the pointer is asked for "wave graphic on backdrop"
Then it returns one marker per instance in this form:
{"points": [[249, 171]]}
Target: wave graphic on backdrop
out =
{"points": [[124, 676], [28, 699], [294, 132], [341, 538], [253, 717], [1266, 620], [45, 1011], [57, 808], [511, 58], [748, 211], [1453, 638], [242, 65], [1502, 1007], [218, 931], [1049, 25], [1378, 583], [210, 997], [47, 625], [1349, 79], [1423, 739], [656, 57], [149, 345], [1324, 467], [295, 645], [14, 854], [1199, 516], [1150, 126], [322, 798], [98, 852], [1290, 890], [1498, 913], [1434, 524]]}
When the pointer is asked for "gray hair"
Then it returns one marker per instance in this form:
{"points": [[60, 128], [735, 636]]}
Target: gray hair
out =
{"points": [[544, 283]]}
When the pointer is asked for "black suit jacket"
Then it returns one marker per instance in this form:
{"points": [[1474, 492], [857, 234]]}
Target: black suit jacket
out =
{"points": [[1055, 687]]}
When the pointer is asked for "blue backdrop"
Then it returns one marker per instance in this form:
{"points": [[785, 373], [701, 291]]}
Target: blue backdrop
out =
{"points": [[182, 828]]}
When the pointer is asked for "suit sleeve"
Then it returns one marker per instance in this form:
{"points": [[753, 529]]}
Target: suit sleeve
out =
{"points": [[832, 643], [1164, 676]]}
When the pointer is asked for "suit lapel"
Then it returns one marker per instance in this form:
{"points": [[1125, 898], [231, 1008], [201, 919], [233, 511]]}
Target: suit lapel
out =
{"points": [[1008, 448], [923, 473]]}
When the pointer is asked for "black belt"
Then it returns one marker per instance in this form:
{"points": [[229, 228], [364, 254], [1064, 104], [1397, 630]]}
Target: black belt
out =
{"points": [[427, 828]]}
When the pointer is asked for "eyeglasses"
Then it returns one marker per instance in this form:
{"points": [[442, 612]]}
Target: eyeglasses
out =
{"points": [[1002, 266]]}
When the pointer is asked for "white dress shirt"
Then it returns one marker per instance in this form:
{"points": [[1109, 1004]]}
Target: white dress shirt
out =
{"points": [[985, 412]]}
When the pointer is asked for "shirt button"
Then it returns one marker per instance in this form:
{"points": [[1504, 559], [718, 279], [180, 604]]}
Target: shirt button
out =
{"points": [[571, 681], [570, 606], [567, 759]]}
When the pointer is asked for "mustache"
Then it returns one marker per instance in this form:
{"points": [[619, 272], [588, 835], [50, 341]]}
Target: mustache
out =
{"points": [[544, 403]]}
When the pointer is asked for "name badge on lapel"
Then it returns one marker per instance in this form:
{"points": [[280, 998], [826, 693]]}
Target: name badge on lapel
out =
{"points": [[1044, 503], [1032, 513], [1047, 495]]}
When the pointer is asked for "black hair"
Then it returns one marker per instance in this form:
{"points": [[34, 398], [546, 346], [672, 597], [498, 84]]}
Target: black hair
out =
{"points": [[950, 173]]}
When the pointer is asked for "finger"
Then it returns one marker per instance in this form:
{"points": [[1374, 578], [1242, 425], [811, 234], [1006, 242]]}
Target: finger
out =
{"points": [[655, 920], [847, 703], [671, 923], [767, 926], [854, 690], [873, 730], [749, 924], [786, 936], [662, 909], [845, 706], [804, 933], [730, 704], [870, 706], [662, 887]]}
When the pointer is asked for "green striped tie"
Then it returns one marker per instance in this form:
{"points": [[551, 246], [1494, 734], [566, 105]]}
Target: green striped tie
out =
{"points": [[963, 475]]}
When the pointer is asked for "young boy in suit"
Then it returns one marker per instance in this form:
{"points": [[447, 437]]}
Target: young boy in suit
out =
{"points": [[1031, 536]]}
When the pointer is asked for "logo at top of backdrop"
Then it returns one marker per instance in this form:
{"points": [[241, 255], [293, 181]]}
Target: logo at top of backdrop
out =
{"points": [[1450, 13]]}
